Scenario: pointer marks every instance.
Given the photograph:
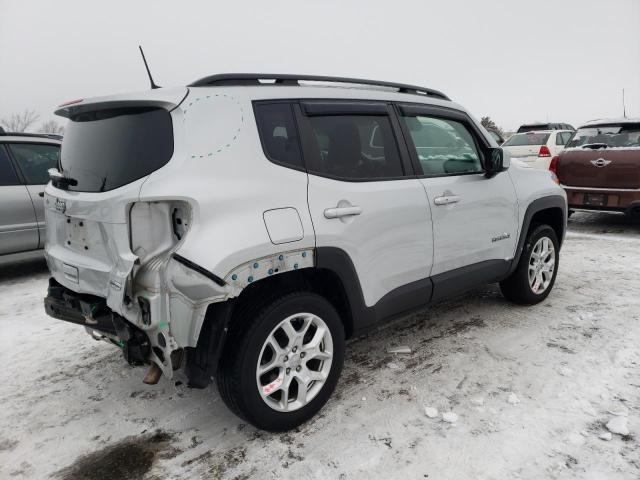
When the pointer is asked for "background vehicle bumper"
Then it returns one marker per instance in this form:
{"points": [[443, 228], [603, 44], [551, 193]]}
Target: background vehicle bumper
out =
{"points": [[616, 199]]}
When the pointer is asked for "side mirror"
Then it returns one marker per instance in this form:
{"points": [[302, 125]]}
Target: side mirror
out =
{"points": [[495, 162]]}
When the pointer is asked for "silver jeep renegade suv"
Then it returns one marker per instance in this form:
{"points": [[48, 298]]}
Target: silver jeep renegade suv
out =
{"points": [[243, 227]]}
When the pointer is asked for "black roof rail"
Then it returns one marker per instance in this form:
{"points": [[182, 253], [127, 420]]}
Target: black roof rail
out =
{"points": [[231, 79], [53, 136]]}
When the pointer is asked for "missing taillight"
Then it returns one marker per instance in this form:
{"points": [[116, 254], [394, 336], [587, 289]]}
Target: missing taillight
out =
{"points": [[180, 222], [156, 227]]}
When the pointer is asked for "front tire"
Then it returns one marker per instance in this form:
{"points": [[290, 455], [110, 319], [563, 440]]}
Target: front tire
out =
{"points": [[535, 275], [283, 361]]}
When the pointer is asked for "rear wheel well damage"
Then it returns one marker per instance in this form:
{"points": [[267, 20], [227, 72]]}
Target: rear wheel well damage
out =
{"points": [[223, 321]]}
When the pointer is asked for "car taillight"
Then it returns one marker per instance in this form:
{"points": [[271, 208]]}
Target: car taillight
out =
{"points": [[553, 169], [544, 151]]}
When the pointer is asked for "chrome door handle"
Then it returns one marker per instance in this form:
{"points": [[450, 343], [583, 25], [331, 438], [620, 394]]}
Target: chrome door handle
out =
{"points": [[338, 212], [446, 200]]}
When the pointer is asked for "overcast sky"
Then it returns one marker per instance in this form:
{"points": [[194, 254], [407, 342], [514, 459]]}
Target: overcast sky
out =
{"points": [[516, 61]]}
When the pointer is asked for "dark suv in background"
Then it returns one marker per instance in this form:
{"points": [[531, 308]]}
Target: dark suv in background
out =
{"points": [[534, 127], [600, 167]]}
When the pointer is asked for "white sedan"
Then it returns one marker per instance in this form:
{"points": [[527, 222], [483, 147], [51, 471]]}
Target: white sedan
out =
{"points": [[535, 149]]}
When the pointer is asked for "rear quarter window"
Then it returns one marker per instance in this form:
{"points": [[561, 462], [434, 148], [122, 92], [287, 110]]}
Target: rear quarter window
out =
{"points": [[34, 160], [278, 133]]}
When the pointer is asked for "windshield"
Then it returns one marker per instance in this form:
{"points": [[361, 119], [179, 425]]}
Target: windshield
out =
{"points": [[106, 149], [610, 136], [524, 139]]}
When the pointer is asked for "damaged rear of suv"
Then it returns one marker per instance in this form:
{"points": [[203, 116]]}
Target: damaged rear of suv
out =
{"points": [[155, 224], [101, 236]]}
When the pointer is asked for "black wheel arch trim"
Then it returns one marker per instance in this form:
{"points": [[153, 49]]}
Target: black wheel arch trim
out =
{"points": [[536, 206]]}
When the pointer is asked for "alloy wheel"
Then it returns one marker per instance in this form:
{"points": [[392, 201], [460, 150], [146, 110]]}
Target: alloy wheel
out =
{"points": [[542, 264], [294, 362]]}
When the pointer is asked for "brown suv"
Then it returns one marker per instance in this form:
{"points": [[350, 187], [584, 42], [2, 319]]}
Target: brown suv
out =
{"points": [[600, 166]]}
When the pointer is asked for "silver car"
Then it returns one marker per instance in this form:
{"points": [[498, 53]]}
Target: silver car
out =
{"points": [[24, 161]]}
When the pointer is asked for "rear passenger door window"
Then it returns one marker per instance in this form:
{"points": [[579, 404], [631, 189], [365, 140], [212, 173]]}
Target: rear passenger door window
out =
{"points": [[7, 173], [443, 146], [34, 160], [278, 133], [353, 147]]}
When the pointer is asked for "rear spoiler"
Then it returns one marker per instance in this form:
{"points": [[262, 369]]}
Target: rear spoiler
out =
{"points": [[167, 98]]}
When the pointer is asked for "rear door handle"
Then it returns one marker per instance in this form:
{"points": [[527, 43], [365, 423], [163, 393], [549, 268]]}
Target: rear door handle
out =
{"points": [[338, 212], [41, 194], [446, 200]]}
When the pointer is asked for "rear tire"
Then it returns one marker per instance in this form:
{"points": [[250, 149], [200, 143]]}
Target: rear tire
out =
{"points": [[535, 275], [282, 361]]}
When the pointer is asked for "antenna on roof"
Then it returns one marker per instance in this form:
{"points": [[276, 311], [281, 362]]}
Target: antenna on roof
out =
{"points": [[153, 85], [624, 108]]}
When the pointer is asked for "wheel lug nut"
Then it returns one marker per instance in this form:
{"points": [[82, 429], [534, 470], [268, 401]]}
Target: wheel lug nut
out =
{"points": [[295, 349], [301, 354], [298, 368], [288, 370], [286, 359]]}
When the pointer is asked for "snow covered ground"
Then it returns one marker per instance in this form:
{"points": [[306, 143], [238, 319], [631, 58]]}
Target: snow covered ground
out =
{"points": [[532, 390]]}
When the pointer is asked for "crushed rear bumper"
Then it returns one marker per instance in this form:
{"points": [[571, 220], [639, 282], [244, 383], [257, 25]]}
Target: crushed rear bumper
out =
{"points": [[82, 309], [92, 313]]}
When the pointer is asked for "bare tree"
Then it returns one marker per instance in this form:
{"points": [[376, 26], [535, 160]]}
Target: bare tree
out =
{"points": [[52, 126], [490, 125], [20, 122]]}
